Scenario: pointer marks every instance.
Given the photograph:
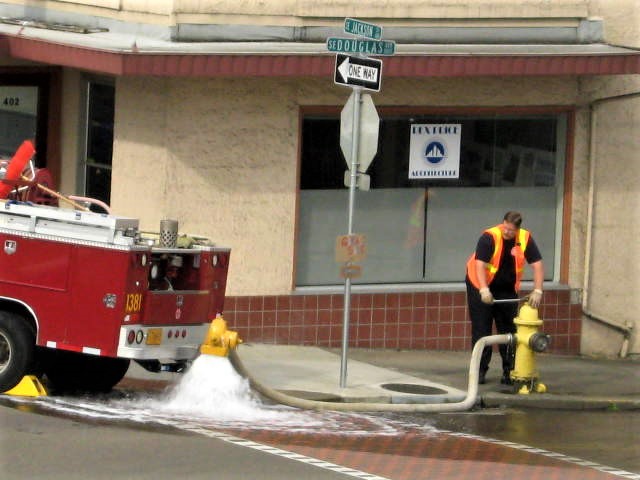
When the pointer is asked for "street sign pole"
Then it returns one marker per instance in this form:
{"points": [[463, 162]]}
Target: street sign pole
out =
{"points": [[357, 72], [355, 122]]}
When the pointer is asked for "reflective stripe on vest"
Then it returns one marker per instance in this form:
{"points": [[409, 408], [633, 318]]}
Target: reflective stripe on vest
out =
{"points": [[494, 263]]}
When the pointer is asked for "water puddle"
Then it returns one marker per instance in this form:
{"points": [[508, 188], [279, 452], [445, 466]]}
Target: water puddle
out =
{"points": [[212, 395]]}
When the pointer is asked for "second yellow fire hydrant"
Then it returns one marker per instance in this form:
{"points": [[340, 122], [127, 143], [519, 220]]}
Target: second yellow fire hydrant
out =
{"points": [[529, 340], [219, 341]]}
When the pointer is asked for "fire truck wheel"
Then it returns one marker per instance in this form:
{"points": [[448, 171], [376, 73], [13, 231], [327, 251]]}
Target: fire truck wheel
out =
{"points": [[76, 372], [16, 350]]}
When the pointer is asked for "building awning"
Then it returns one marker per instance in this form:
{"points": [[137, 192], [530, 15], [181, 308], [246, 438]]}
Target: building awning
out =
{"points": [[128, 55]]}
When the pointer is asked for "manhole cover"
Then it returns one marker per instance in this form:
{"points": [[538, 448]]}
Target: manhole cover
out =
{"points": [[412, 388]]}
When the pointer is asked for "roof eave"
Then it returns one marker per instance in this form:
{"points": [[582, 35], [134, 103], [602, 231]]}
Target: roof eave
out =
{"points": [[285, 60]]}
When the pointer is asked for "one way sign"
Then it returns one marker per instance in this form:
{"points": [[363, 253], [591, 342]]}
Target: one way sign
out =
{"points": [[358, 71]]}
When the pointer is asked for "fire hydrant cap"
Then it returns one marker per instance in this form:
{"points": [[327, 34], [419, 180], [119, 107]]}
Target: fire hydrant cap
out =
{"points": [[528, 316], [219, 340]]}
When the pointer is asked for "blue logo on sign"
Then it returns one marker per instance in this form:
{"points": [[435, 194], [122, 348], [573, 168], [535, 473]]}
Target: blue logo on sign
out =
{"points": [[435, 152]]}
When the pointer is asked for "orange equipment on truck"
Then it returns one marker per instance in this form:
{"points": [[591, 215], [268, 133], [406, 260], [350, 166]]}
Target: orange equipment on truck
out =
{"points": [[84, 293]]}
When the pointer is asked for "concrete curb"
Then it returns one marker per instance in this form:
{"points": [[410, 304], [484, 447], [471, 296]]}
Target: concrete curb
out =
{"points": [[496, 400], [558, 402]]}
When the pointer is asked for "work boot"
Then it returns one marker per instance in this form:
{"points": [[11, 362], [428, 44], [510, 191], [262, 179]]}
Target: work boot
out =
{"points": [[506, 378]]}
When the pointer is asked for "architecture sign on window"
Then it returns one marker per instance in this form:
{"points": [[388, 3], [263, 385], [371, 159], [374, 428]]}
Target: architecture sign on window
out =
{"points": [[434, 151]]}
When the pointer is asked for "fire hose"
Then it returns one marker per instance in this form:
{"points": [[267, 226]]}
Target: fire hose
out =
{"points": [[467, 403]]}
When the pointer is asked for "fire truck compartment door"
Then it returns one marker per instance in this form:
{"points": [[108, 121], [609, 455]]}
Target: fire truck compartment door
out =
{"points": [[34, 262], [176, 307]]}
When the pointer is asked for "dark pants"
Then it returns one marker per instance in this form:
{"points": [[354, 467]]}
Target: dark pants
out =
{"points": [[482, 318]]}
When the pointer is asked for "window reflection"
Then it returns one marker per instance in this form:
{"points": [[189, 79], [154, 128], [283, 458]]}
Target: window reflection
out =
{"points": [[422, 230]]}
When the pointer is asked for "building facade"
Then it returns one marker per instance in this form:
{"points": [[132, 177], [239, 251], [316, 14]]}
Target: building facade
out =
{"points": [[226, 116]]}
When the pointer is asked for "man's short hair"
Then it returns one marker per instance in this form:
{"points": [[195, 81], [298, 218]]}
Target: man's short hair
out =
{"points": [[513, 217]]}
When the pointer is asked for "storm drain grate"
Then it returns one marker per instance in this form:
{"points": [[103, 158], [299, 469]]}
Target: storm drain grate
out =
{"points": [[412, 388]]}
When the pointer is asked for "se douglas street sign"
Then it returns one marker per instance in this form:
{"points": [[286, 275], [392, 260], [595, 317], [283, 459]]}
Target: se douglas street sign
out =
{"points": [[362, 46]]}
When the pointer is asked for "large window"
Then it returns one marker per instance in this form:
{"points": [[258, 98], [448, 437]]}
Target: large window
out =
{"points": [[423, 230]]}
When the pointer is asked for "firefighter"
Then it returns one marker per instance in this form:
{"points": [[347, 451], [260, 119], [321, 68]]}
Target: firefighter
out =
{"points": [[494, 272]]}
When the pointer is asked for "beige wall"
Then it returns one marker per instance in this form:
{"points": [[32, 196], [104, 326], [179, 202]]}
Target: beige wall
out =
{"points": [[613, 262], [315, 12], [222, 155], [311, 12], [614, 277], [622, 20], [612, 254]]}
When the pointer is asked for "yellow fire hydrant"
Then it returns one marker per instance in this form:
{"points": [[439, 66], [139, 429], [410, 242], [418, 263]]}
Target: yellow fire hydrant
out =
{"points": [[529, 340], [219, 341]]}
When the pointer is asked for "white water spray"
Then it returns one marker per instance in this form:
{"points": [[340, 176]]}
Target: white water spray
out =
{"points": [[212, 388]]}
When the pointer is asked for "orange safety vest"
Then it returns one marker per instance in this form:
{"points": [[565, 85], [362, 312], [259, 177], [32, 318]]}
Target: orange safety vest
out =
{"points": [[492, 266]]}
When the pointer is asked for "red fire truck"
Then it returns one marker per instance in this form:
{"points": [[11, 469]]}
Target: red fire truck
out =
{"points": [[84, 293]]}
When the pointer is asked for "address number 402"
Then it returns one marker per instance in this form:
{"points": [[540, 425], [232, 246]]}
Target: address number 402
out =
{"points": [[11, 101]]}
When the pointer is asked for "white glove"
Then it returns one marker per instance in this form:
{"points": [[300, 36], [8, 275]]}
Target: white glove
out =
{"points": [[486, 296], [535, 297]]}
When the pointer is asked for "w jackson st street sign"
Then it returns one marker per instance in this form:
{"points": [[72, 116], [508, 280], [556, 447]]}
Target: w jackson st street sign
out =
{"points": [[364, 29], [371, 44]]}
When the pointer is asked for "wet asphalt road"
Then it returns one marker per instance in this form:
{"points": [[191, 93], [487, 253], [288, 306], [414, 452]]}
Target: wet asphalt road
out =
{"points": [[35, 446], [35, 443], [609, 438], [606, 437]]}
